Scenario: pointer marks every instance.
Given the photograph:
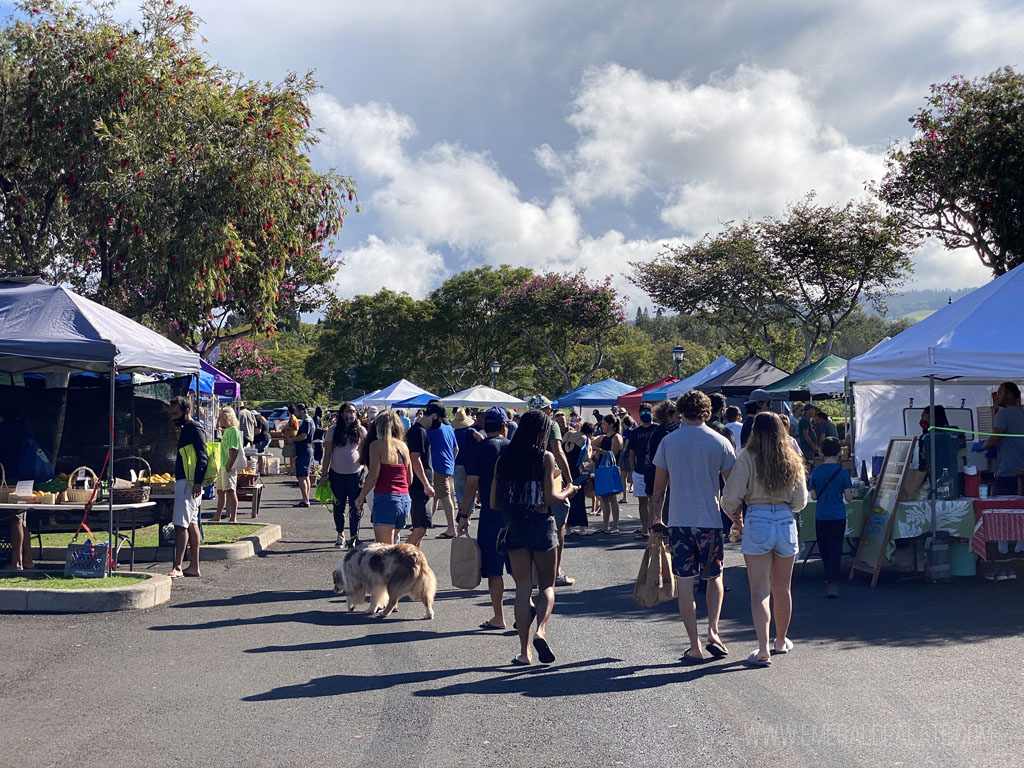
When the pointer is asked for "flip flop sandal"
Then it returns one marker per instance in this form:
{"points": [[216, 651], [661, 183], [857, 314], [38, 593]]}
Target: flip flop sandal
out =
{"points": [[716, 649], [517, 663], [533, 615], [544, 654], [488, 625], [444, 536], [176, 574], [689, 660], [753, 661], [787, 646]]}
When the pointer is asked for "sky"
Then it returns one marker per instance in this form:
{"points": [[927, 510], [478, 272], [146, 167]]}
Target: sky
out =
{"points": [[587, 135]]}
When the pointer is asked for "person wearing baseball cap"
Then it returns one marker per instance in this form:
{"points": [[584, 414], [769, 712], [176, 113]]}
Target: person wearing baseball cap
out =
{"points": [[444, 450], [761, 399]]}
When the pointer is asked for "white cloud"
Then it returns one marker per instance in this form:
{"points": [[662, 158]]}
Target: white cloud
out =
{"points": [[403, 266], [747, 144], [937, 267]]}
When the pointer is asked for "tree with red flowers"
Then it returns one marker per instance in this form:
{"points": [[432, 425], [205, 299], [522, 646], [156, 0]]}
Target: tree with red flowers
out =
{"points": [[154, 181], [961, 178], [569, 320]]}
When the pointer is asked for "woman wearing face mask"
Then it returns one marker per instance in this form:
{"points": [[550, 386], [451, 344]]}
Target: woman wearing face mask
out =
{"points": [[342, 469], [610, 444]]}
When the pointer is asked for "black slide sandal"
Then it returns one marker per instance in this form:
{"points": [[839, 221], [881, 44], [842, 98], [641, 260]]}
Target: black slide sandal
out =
{"points": [[544, 654]]}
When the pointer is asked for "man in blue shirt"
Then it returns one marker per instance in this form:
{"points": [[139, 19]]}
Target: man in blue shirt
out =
{"points": [[443, 450], [830, 486], [480, 460]]}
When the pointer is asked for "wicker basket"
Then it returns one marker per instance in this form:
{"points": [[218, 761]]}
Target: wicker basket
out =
{"points": [[5, 491], [137, 494], [247, 480], [78, 495]]}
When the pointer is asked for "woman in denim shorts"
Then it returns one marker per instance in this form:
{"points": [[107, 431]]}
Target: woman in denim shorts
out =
{"points": [[769, 477], [388, 477]]}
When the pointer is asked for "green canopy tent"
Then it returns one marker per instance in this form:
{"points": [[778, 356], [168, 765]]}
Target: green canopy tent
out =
{"points": [[797, 386]]}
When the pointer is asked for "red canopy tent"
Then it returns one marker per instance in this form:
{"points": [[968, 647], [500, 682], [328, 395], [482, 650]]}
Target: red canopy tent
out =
{"points": [[631, 400]]}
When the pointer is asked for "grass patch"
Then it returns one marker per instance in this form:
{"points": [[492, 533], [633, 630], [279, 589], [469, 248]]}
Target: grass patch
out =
{"points": [[48, 581], [216, 533]]}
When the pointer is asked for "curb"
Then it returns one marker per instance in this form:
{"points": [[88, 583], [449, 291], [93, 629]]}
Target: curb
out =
{"points": [[151, 591], [250, 546]]}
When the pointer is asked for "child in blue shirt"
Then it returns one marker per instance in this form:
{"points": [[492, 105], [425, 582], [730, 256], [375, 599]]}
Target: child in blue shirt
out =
{"points": [[831, 486]]}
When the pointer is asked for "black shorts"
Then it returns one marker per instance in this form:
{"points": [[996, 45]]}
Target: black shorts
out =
{"points": [[421, 510], [696, 552], [534, 531]]}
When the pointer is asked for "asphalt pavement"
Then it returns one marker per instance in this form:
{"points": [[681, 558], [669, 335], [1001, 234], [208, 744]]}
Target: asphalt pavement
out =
{"points": [[258, 663]]}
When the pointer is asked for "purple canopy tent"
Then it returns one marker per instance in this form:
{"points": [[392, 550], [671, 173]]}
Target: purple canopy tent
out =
{"points": [[223, 385]]}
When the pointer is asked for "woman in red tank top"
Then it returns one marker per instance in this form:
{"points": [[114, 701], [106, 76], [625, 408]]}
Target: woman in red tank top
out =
{"points": [[388, 477]]}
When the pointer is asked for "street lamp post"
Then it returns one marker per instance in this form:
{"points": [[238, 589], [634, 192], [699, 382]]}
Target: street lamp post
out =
{"points": [[495, 368], [678, 353], [351, 383]]}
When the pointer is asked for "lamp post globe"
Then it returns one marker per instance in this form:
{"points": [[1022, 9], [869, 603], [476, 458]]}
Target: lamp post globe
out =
{"points": [[678, 353], [495, 369]]}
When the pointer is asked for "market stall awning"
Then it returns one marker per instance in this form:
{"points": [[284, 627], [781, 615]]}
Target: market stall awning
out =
{"points": [[594, 395], [223, 385], [416, 402], [830, 384], [672, 391], [797, 386], [753, 372], [49, 328], [969, 340], [631, 400], [359, 402], [481, 396], [394, 393]]}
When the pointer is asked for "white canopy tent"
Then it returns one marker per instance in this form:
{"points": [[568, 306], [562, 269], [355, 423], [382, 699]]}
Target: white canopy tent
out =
{"points": [[481, 396], [393, 393], [359, 402], [830, 384]]}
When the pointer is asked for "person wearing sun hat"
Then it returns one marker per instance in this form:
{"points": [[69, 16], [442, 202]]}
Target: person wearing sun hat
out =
{"points": [[560, 510], [462, 423]]}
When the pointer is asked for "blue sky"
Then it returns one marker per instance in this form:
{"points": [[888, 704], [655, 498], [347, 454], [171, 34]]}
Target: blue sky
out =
{"points": [[570, 135]]}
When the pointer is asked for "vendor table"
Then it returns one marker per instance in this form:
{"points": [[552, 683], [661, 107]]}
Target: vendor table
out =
{"points": [[997, 519], [244, 494], [913, 519], [125, 515]]}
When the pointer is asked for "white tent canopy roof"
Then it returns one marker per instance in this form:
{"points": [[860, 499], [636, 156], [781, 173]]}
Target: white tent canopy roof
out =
{"points": [[393, 393], [830, 384], [708, 372], [358, 402], [482, 397], [970, 339], [49, 328]]}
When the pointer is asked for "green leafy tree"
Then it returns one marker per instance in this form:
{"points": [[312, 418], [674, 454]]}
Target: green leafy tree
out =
{"points": [[567, 320], [466, 334], [383, 337], [803, 274], [961, 178], [155, 181]]}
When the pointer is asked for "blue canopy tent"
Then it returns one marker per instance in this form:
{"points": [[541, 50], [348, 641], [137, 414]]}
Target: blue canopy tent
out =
{"points": [[678, 388], [600, 393], [415, 402]]}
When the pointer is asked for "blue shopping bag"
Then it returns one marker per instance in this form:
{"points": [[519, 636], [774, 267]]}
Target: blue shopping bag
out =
{"points": [[607, 478]]}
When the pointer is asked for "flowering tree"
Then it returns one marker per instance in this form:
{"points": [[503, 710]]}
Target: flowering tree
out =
{"points": [[245, 362], [153, 180], [568, 318], [961, 178]]}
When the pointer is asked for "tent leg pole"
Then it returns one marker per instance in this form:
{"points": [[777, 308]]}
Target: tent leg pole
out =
{"points": [[931, 449], [110, 472]]}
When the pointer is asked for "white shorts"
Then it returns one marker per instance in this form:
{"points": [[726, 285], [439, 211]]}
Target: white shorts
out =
{"points": [[186, 509], [227, 481], [639, 489]]}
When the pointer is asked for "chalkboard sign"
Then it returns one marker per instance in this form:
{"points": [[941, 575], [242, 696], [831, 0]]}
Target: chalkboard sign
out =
{"points": [[882, 512]]}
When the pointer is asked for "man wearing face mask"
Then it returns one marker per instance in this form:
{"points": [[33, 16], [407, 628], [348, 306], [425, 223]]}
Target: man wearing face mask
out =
{"points": [[444, 447], [189, 470], [639, 443]]}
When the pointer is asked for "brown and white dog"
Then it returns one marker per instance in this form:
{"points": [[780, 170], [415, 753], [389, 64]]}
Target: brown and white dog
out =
{"points": [[387, 573]]}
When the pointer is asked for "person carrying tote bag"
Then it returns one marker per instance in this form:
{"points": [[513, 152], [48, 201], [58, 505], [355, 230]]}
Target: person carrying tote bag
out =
{"points": [[607, 478]]}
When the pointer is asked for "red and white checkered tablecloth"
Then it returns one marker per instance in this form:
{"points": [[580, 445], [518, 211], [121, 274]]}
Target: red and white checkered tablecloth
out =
{"points": [[998, 519]]}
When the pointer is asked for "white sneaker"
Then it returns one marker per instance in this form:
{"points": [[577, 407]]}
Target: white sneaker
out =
{"points": [[1011, 575], [340, 542], [1002, 576]]}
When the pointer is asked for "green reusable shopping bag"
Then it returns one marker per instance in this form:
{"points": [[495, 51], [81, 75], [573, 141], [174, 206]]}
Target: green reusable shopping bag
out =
{"points": [[324, 494]]}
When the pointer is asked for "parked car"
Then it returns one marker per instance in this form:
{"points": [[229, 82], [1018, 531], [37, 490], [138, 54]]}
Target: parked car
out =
{"points": [[276, 417]]}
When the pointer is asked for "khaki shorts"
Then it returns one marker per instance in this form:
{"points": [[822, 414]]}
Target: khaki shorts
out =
{"points": [[226, 481], [444, 487]]}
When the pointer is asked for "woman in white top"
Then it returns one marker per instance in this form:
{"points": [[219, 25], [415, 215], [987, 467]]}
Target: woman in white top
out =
{"points": [[769, 476]]}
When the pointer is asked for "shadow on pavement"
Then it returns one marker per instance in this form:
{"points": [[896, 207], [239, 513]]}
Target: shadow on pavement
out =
{"points": [[383, 638], [339, 618], [258, 598]]}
